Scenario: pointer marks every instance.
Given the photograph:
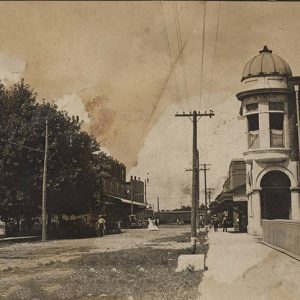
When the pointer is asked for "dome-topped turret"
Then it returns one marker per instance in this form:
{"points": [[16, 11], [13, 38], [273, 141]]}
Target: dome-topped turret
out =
{"points": [[266, 64]]}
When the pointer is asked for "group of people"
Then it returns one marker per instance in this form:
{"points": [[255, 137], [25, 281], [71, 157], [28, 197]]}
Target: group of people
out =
{"points": [[216, 223], [153, 224]]}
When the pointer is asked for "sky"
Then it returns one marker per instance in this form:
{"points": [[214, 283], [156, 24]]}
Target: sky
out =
{"points": [[108, 63]]}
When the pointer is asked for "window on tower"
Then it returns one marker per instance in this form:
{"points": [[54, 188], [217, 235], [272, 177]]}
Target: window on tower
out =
{"points": [[276, 130], [253, 131], [252, 107], [276, 106]]}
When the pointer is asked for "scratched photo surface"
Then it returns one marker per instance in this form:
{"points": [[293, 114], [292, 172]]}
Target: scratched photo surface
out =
{"points": [[125, 69]]}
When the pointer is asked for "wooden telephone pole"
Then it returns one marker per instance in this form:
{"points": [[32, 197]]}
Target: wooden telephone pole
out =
{"points": [[209, 191], [44, 195], [204, 168], [195, 177]]}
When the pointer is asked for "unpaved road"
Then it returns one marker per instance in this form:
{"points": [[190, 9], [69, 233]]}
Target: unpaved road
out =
{"points": [[23, 261]]}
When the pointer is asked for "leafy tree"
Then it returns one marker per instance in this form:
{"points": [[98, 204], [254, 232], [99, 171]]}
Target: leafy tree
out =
{"points": [[183, 208], [75, 174]]}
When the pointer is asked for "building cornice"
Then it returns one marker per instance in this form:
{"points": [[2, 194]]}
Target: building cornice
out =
{"points": [[243, 94]]}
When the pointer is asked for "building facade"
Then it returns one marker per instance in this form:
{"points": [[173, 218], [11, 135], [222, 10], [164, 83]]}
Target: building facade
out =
{"points": [[121, 198], [135, 189], [116, 184], [232, 201], [268, 106]]}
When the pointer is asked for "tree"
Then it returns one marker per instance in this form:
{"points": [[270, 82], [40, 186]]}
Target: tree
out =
{"points": [[183, 208], [75, 174]]}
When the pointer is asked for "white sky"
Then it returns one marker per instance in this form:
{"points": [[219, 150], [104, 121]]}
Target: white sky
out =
{"points": [[108, 63]]}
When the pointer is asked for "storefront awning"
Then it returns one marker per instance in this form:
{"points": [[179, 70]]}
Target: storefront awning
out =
{"points": [[127, 201]]}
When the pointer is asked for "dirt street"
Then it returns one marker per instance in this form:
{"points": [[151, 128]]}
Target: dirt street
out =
{"points": [[25, 261]]}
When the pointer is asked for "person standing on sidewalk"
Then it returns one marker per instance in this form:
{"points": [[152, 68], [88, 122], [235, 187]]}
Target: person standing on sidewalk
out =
{"points": [[216, 224], [224, 223]]}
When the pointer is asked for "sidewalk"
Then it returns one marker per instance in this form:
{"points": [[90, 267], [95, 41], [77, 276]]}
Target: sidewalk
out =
{"points": [[240, 267], [20, 239]]}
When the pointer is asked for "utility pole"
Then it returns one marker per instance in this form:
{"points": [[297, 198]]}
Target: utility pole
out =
{"points": [[145, 190], [209, 191], [157, 204], [44, 195], [132, 194], [195, 169], [198, 190], [205, 189]]}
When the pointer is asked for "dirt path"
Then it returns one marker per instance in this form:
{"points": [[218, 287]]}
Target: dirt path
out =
{"points": [[25, 261]]}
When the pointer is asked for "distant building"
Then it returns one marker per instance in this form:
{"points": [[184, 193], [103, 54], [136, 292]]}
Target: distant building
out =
{"points": [[268, 106], [120, 197], [135, 189], [116, 184], [232, 201], [171, 216]]}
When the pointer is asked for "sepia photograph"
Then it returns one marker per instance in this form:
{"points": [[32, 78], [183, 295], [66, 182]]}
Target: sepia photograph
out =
{"points": [[149, 150]]}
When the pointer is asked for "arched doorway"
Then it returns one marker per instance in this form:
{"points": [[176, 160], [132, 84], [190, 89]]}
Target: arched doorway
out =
{"points": [[275, 195]]}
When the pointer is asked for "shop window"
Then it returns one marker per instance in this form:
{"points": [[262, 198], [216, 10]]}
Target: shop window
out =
{"points": [[276, 106], [276, 130], [253, 131]]}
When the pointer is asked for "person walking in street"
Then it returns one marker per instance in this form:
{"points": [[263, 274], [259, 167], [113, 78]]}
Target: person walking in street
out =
{"points": [[152, 226], [224, 223], [101, 226]]}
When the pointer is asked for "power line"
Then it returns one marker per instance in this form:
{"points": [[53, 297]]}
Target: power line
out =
{"points": [[167, 43], [215, 51], [178, 32], [22, 146], [180, 46], [202, 54], [164, 29], [183, 6], [180, 56]]}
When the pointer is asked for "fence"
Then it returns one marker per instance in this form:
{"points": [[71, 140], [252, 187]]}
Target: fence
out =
{"points": [[284, 234]]}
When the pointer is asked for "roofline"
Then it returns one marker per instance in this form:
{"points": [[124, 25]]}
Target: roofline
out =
{"points": [[264, 74], [244, 94], [262, 54]]}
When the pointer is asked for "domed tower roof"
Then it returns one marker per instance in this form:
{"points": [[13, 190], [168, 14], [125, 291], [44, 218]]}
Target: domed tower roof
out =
{"points": [[266, 64]]}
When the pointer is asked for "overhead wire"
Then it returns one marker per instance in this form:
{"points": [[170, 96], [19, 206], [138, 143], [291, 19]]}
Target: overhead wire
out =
{"points": [[167, 43], [22, 146], [180, 54], [164, 28], [180, 47], [202, 52], [214, 53]]}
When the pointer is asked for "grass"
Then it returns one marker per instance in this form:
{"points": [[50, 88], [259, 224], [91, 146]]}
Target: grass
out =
{"points": [[142, 273], [30, 290], [202, 247], [182, 238]]}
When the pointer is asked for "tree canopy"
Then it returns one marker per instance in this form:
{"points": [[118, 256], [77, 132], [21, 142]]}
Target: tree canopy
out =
{"points": [[75, 173]]}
